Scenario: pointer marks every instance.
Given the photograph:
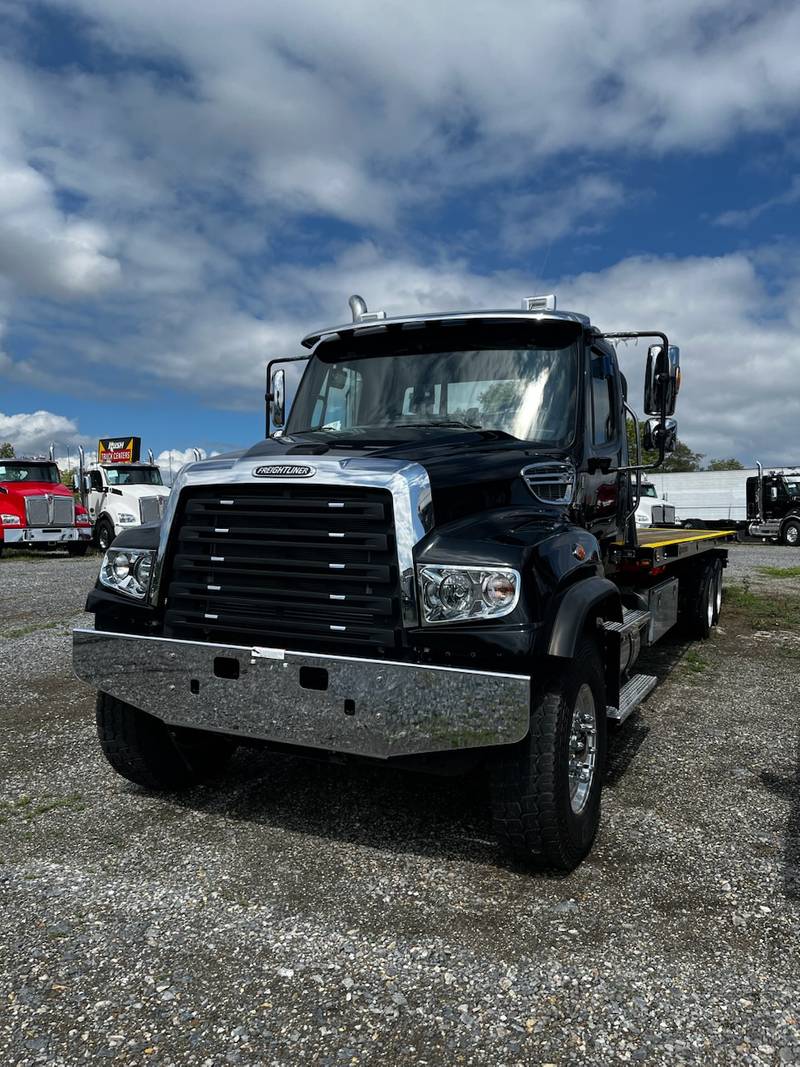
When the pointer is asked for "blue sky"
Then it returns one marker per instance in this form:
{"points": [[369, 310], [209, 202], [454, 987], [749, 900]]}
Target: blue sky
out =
{"points": [[187, 188]]}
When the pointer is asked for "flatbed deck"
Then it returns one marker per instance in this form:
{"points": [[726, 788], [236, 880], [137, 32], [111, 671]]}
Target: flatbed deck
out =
{"points": [[660, 545]]}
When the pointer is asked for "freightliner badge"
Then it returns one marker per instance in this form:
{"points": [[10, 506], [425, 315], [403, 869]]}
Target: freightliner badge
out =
{"points": [[118, 449]]}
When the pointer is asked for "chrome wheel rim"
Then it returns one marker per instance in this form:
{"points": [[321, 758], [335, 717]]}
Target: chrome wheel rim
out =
{"points": [[103, 539], [792, 535], [712, 599], [582, 749]]}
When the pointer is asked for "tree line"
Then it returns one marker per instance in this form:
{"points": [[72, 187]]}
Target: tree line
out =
{"points": [[682, 459]]}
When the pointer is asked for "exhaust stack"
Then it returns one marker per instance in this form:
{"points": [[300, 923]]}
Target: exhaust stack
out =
{"points": [[358, 307]]}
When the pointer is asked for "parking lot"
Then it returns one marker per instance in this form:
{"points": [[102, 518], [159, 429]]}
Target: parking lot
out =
{"points": [[297, 912]]}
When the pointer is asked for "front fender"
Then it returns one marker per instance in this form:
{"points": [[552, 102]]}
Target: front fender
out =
{"points": [[574, 606]]}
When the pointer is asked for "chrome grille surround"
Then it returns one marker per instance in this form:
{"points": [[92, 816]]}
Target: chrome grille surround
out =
{"points": [[50, 509], [408, 484], [151, 508]]}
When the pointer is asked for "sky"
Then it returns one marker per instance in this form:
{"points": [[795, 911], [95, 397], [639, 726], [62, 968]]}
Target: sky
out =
{"points": [[187, 188]]}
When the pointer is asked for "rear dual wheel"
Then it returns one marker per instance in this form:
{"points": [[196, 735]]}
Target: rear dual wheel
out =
{"points": [[546, 790], [701, 600]]}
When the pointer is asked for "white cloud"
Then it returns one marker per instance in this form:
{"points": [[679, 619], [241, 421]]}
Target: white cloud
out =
{"points": [[176, 457], [152, 217], [32, 434], [44, 251], [739, 349]]}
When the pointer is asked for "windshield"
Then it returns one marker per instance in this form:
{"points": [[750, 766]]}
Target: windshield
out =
{"points": [[649, 490], [792, 486], [29, 472], [133, 475], [500, 381]]}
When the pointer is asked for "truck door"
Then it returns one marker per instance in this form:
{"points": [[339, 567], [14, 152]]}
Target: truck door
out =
{"points": [[604, 499], [95, 495]]}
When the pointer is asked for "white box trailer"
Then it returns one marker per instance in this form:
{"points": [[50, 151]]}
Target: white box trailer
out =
{"points": [[708, 497]]}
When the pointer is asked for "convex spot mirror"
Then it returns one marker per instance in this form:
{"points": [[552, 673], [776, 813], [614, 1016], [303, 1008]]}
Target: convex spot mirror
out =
{"points": [[277, 399], [662, 379], [651, 438]]}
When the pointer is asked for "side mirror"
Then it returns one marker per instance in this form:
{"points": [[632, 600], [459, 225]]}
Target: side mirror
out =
{"points": [[773, 492], [277, 398], [651, 438], [76, 483], [662, 379]]}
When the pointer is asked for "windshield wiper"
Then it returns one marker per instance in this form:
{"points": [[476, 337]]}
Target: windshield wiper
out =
{"points": [[442, 422]]}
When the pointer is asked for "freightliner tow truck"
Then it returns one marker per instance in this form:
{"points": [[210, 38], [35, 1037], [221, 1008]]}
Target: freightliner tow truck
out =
{"points": [[434, 562]]}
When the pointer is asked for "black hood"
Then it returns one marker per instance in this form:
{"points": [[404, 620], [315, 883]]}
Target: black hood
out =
{"points": [[469, 470]]}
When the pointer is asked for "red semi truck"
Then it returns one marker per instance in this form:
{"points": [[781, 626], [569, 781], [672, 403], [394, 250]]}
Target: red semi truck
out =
{"points": [[37, 511]]}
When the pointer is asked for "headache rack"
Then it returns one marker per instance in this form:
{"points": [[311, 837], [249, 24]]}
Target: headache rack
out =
{"points": [[294, 566]]}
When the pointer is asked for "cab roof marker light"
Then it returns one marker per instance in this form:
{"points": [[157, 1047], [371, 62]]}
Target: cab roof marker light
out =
{"points": [[539, 303]]}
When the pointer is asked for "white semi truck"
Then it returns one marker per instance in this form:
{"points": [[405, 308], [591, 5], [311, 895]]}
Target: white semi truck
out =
{"points": [[652, 509], [119, 491]]}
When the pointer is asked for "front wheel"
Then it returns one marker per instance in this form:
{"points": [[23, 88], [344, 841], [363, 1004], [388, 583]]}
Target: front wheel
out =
{"points": [[790, 534], [146, 751], [105, 534], [546, 790]]}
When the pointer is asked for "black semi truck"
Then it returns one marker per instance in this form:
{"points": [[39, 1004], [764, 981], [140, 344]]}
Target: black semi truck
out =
{"points": [[433, 562], [773, 506]]}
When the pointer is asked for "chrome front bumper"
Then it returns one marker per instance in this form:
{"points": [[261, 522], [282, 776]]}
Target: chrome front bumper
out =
{"points": [[361, 706], [35, 535]]}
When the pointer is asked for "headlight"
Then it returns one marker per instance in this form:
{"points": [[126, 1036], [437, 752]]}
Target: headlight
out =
{"points": [[124, 516], [10, 520], [128, 571], [455, 594]]}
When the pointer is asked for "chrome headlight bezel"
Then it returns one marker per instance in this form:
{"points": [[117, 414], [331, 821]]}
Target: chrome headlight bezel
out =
{"points": [[473, 584], [10, 520], [132, 580]]}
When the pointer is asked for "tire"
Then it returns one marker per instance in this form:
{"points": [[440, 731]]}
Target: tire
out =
{"points": [[146, 751], [698, 608], [77, 549], [539, 810], [790, 534], [104, 534]]}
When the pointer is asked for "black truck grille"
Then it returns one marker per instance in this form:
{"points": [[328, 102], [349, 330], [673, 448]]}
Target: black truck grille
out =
{"points": [[295, 566]]}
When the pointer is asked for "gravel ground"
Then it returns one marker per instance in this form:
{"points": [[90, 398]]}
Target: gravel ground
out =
{"points": [[304, 913]]}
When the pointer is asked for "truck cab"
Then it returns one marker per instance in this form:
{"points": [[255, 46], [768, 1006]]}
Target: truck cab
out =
{"points": [[37, 511], [651, 509], [433, 561], [120, 496], [773, 506]]}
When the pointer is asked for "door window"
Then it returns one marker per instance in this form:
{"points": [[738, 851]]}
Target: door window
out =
{"points": [[603, 399]]}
